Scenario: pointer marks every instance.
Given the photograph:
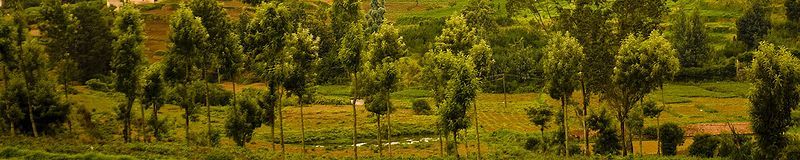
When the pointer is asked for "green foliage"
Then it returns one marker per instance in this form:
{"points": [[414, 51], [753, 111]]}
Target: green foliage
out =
{"points": [[608, 142], [352, 47], [533, 143], [186, 44], [92, 36], [775, 78], [540, 115], [244, 118], [690, 39], [457, 36], [217, 96], [303, 48], [639, 17], [58, 26], [98, 85], [461, 93], [375, 15], [735, 146], [671, 136], [651, 109], [754, 25], [421, 107], [704, 145], [590, 23], [15, 153], [344, 14], [127, 59], [478, 15], [263, 41], [792, 10], [562, 66], [30, 94]]}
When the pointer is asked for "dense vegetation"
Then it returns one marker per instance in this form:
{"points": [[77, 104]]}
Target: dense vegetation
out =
{"points": [[579, 79]]}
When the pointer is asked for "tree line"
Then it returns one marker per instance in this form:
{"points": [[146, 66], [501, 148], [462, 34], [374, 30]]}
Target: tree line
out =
{"points": [[612, 49]]}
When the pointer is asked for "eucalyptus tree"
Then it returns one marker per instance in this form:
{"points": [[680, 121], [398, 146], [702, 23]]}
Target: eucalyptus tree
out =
{"points": [[8, 57], [58, 28], [303, 49], [153, 94], [639, 17], [754, 25], [244, 118], [562, 69], [186, 42], [641, 66], [343, 14], [690, 39], [775, 77], [590, 22], [462, 90], [478, 14], [214, 20], [263, 42], [127, 61], [351, 49]]}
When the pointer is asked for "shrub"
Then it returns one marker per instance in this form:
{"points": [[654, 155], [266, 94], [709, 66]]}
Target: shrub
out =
{"points": [[217, 96], [734, 146], [421, 107], [650, 133], [533, 143], [671, 137], [98, 85], [704, 146]]}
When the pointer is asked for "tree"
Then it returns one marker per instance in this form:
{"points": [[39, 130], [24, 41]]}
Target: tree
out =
{"points": [[639, 17], [186, 43], [244, 118], [153, 94], [641, 66], [562, 67], [671, 136], [775, 79], [461, 92], [34, 105], [58, 27], [8, 57], [478, 14], [344, 13], [303, 48], [690, 39], [792, 10], [214, 20], [435, 74], [650, 109], [375, 15], [753, 25], [590, 23], [128, 48], [92, 52], [350, 50], [457, 36], [540, 116], [263, 44], [384, 48]]}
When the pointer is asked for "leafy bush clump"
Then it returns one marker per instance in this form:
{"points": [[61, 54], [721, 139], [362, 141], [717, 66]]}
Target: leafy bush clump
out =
{"points": [[704, 146], [671, 137], [533, 143], [421, 107], [98, 85]]}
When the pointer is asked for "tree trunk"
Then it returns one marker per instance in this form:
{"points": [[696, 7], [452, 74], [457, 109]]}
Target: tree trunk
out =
{"points": [[658, 135], [586, 102], [389, 126], [280, 113], [302, 123], [30, 116], [566, 130], [208, 109], [355, 119], [477, 129], [128, 117], [441, 138], [455, 143], [272, 135], [155, 118], [143, 125], [624, 141], [380, 144]]}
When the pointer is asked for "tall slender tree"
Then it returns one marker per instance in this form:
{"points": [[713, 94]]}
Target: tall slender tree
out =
{"points": [[303, 48], [214, 20], [350, 54], [641, 66], [562, 67], [754, 25], [186, 42], [128, 48], [153, 95]]}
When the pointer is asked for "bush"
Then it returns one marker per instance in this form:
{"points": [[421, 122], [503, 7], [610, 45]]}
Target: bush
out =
{"points": [[533, 143], [671, 137], [736, 147], [650, 133], [704, 146], [98, 85], [725, 71], [421, 107]]}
